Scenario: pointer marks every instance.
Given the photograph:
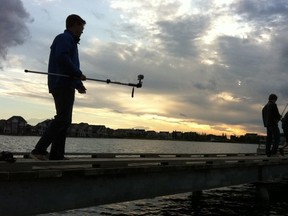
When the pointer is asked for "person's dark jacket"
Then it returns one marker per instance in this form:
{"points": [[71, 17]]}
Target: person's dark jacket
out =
{"points": [[64, 59], [270, 115]]}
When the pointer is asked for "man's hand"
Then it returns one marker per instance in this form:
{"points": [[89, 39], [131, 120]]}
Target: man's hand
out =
{"points": [[83, 77], [82, 90]]}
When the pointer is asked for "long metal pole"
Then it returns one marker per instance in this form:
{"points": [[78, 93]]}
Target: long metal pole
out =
{"points": [[137, 85]]}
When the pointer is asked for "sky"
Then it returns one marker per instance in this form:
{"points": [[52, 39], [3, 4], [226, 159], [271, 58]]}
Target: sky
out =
{"points": [[208, 65]]}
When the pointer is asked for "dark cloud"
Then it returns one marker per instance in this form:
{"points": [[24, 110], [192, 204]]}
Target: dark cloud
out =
{"points": [[179, 37], [13, 29], [210, 85], [267, 18], [263, 14], [265, 10]]}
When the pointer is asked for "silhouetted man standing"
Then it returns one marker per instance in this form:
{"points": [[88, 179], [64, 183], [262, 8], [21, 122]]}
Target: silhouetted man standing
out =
{"points": [[63, 60], [271, 117]]}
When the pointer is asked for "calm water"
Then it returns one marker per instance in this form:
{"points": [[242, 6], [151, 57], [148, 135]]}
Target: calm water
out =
{"points": [[26, 143], [238, 200]]}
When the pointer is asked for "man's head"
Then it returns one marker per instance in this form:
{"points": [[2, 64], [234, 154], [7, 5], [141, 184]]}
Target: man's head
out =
{"points": [[272, 97], [75, 24]]}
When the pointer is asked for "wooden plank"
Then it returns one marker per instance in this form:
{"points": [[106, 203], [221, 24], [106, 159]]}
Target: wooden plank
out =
{"points": [[149, 155], [183, 155], [29, 164], [213, 162], [75, 161], [173, 163], [110, 165], [79, 167], [113, 155], [104, 155]]}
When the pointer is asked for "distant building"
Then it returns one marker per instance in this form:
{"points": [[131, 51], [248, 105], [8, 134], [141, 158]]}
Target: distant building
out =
{"points": [[2, 125], [80, 130], [177, 135], [251, 138], [129, 133], [123, 133], [40, 128], [152, 134], [15, 125], [164, 135], [99, 131]]}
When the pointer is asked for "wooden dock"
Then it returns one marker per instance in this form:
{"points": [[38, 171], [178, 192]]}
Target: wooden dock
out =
{"points": [[88, 179]]}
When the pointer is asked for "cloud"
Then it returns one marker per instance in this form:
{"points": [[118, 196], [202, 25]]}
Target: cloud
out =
{"points": [[215, 64], [265, 18], [179, 37], [13, 29], [208, 65], [262, 11]]}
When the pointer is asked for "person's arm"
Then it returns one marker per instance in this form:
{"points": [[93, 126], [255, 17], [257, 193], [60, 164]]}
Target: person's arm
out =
{"points": [[80, 87], [264, 115]]}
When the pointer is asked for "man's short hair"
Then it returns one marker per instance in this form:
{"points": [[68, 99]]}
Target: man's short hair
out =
{"points": [[72, 19], [272, 97]]}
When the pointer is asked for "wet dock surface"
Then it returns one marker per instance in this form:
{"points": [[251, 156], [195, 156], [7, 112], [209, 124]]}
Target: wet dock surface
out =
{"points": [[96, 163]]}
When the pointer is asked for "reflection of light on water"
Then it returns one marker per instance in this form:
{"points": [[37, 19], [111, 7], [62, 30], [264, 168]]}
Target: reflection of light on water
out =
{"points": [[95, 145], [231, 201]]}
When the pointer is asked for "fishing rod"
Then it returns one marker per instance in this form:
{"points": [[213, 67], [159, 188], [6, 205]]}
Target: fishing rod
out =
{"points": [[284, 110], [108, 81]]}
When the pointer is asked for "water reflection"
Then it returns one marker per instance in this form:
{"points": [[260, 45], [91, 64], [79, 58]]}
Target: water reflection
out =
{"points": [[230, 201]]}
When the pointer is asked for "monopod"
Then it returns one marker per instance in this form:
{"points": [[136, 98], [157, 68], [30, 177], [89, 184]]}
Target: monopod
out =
{"points": [[108, 81]]}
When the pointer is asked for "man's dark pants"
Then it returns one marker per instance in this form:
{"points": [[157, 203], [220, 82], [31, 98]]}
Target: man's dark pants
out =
{"points": [[273, 136], [57, 130]]}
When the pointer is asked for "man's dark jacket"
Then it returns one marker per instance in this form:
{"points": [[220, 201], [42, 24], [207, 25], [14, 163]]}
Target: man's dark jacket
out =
{"points": [[64, 59], [270, 114]]}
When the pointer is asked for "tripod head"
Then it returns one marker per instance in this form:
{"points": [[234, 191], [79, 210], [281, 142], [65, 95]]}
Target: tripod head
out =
{"points": [[138, 85], [140, 78]]}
